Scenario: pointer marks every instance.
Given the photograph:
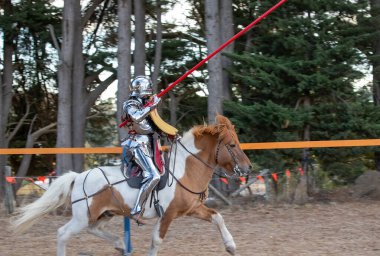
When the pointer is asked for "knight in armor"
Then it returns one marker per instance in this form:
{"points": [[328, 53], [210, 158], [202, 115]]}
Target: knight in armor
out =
{"points": [[139, 141]]}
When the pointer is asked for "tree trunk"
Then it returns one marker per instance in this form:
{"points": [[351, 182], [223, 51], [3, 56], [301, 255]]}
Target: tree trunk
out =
{"points": [[173, 105], [375, 12], [215, 98], [6, 93], [226, 32], [308, 179], [74, 100], [158, 48], [139, 56], [31, 139], [123, 57], [65, 76], [80, 106]]}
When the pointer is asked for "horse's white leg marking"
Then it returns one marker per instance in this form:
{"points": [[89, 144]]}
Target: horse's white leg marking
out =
{"points": [[97, 229], [64, 233], [228, 240], [204, 213], [156, 239]]}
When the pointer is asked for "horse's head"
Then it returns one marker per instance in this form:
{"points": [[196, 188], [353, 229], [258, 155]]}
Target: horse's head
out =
{"points": [[225, 143]]}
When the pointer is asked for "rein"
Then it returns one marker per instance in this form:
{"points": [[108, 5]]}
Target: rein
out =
{"points": [[202, 194], [197, 157], [224, 174]]}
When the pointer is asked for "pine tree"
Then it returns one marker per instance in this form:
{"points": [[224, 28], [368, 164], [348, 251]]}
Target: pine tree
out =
{"points": [[298, 69]]}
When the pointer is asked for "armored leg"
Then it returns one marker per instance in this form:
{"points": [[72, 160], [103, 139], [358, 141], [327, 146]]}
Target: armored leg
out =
{"points": [[151, 179]]}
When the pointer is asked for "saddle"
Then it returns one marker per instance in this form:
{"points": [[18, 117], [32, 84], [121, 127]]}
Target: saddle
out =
{"points": [[133, 172]]}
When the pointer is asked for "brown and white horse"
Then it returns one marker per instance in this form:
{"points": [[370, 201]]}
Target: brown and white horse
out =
{"points": [[101, 192]]}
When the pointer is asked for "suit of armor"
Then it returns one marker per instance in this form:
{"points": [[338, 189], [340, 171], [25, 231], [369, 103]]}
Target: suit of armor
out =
{"points": [[140, 138]]}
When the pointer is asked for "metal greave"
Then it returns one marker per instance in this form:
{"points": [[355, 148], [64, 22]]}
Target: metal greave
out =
{"points": [[151, 178]]}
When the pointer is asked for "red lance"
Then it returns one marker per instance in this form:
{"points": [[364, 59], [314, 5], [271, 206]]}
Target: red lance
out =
{"points": [[242, 32]]}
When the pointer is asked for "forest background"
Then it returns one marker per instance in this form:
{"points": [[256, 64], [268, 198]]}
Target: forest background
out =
{"points": [[296, 76]]}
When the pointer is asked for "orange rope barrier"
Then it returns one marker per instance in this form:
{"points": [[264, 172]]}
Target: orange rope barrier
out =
{"points": [[244, 146], [47, 151], [311, 144]]}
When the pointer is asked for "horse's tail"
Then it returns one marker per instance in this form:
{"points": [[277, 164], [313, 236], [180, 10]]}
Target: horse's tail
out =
{"points": [[57, 195]]}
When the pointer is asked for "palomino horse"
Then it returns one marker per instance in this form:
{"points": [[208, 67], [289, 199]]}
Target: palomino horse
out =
{"points": [[102, 192]]}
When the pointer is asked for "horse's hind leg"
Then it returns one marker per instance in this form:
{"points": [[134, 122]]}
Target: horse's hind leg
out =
{"points": [[65, 232], [205, 213], [98, 229]]}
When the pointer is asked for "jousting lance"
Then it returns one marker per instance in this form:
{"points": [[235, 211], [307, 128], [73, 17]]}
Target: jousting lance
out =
{"points": [[236, 36]]}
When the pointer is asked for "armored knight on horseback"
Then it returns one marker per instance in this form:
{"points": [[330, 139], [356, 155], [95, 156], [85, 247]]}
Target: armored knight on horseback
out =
{"points": [[139, 142]]}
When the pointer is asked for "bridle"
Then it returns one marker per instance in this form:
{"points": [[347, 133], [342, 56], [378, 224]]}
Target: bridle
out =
{"points": [[202, 194], [236, 169]]}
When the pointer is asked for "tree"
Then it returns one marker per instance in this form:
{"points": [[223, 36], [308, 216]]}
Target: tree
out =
{"points": [[301, 60], [158, 47], [27, 75], [6, 80], [214, 66], [79, 88], [139, 55], [226, 32], [374, 58], [123, 57]]}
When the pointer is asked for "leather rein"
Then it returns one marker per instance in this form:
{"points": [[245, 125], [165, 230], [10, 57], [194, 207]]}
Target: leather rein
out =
{"points": [[202, 194]]}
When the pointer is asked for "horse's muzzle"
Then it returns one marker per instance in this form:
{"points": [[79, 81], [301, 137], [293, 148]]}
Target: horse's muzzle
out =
{"points": [[239, 171]]}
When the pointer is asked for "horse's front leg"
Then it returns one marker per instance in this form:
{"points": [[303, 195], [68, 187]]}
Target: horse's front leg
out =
{"points": [[204, 213], [159, 232]]}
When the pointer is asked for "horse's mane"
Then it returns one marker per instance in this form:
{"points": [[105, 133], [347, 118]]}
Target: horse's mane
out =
{"points": [[221, 127]]}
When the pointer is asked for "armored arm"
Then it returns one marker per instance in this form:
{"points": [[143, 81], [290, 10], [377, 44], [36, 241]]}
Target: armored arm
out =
{"points": [[137, 111]]}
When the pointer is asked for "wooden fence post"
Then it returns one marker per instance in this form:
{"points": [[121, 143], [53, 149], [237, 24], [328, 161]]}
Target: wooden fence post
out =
{"points": [[9, 197], [219, 194], [268, 190]]}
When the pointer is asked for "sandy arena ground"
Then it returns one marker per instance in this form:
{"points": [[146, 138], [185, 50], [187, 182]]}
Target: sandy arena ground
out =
{"points": [[325, 228]]}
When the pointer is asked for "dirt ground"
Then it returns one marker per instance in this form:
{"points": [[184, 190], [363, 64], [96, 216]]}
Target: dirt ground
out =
{"points": [[331, 227]]}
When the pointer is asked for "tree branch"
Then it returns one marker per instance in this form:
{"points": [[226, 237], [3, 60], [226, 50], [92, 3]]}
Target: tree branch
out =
{"points": [[90, 11], [19, 123], [55, 40], [177, 35], [91, 77], [93, 95]]}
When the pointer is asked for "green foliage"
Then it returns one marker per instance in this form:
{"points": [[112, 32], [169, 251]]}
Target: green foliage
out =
{"points": [[306, 51], [294, 70], [101, 128]]}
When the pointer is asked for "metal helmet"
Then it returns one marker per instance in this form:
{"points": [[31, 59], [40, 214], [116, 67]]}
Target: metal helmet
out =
{"points": [[141, 86]]}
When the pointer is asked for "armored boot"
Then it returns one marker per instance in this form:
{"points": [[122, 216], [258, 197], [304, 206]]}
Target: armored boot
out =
{"points": [[151, 179]]}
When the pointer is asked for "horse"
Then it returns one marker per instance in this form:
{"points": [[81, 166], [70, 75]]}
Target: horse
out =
{"points": [[98, 194]]}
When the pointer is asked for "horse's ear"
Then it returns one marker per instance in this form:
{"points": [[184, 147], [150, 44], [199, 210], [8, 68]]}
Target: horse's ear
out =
{"points": [[219, 119]]}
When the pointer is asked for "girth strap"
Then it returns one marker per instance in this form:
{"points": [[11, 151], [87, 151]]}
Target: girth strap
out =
{"points": [[97, 192]]}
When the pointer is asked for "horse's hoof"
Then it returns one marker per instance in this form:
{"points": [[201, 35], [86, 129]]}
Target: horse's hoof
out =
{"points": [[121, 251], [231, 248], [231, 251]]}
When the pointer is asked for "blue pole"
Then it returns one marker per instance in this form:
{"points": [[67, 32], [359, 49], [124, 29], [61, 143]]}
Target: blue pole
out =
{"points": [[127, 236]]}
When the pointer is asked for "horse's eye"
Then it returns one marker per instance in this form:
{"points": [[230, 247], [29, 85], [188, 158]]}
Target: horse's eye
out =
{"points": [[232, 145]]}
